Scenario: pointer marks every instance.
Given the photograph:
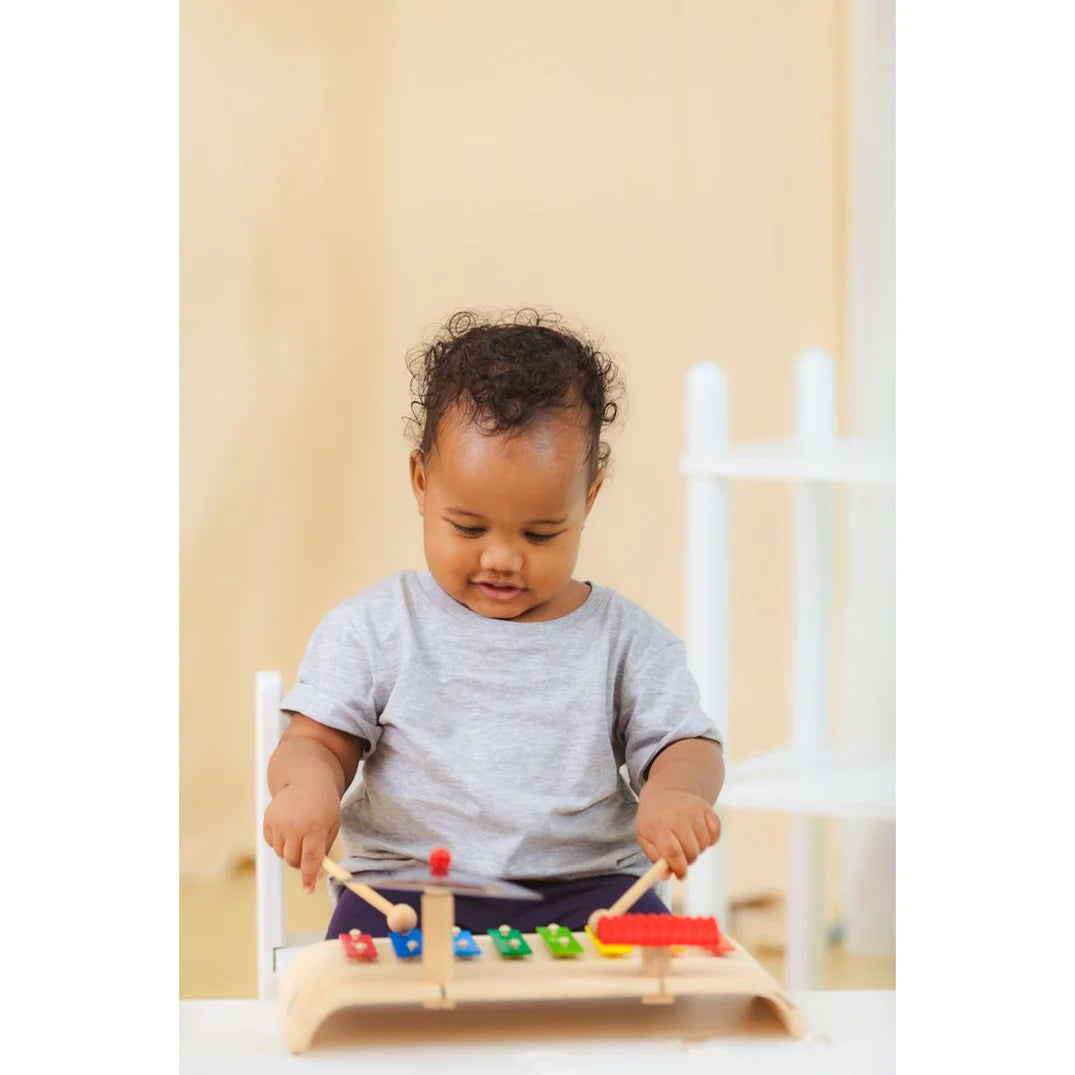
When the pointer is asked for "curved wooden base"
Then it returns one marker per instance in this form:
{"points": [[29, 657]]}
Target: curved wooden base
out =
{"points": [[322, 981]]}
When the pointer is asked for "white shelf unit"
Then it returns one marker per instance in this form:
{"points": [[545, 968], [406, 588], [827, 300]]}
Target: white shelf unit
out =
{"points": [[843, 460], [811, 778]]}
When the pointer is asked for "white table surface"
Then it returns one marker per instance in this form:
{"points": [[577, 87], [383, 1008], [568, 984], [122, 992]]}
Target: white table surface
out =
{"points": [[852, 1032]]}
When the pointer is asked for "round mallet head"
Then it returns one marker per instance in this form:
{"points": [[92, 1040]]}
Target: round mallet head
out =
{"points": [[595, 918], [402, 918]]}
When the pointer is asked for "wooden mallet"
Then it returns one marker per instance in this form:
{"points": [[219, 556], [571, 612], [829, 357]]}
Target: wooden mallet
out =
{"points": [[655, 873], [401, 916]]}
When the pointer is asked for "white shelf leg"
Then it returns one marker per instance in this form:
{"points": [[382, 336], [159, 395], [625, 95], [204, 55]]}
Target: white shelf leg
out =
{"points": [[815, 386], [268, 868], [868, 880], [708, 598]]}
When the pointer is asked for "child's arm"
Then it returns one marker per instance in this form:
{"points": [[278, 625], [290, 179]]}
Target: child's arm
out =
{"points": [[310, 769], [676, 820]]}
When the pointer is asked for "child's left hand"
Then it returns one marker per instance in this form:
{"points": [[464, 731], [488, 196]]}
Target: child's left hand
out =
{"points": [[675, 825]]}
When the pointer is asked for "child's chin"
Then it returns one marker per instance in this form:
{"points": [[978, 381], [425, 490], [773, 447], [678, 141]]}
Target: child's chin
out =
{"points": [[496, 610]]}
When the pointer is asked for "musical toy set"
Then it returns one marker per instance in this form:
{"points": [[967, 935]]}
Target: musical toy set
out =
{"points": [[653, 958]]}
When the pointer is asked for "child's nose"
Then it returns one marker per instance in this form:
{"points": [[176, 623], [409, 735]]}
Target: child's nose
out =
{"points": [[501, 556]]}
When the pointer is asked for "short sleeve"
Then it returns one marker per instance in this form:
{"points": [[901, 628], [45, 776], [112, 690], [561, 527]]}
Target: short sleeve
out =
{"points": [[659, 705], [336, 685]]}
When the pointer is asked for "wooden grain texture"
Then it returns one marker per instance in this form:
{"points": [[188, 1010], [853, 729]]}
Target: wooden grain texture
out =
{"points": [[322, 981]]}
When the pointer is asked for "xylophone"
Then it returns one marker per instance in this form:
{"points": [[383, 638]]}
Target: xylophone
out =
{"points": [[653, 958]]}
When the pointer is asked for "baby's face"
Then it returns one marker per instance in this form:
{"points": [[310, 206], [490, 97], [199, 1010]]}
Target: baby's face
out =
{"points": [[503, 515]]}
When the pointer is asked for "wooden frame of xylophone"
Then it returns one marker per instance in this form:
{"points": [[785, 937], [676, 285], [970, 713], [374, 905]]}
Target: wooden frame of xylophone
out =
{"points": [[323, 979]]}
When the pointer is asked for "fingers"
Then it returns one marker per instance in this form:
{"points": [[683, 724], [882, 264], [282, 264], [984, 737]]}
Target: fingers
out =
{"points": [[304, 852], [700, 828], [301, 829], [650, 848], [313, 851], [672, 849], [713, 824], [688, 851], [679, 837], [704, 827]]}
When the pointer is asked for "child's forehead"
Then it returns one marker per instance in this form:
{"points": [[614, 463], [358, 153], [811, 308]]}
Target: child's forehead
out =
{"points": [[558, 434], [546, 458]]}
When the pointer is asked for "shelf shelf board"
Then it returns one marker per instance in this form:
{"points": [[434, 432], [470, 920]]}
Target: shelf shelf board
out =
{"points": [[834, 784], [844, 459]]}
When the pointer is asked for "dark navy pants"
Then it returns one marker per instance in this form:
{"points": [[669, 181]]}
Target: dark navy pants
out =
{"points": [[566, 903]]}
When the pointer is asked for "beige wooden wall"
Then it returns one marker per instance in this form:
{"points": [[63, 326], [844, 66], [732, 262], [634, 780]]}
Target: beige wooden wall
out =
{"points": [[670, 175]]}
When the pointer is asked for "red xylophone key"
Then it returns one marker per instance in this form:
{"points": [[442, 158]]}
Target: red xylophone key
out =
{"points": [[662, 930]]}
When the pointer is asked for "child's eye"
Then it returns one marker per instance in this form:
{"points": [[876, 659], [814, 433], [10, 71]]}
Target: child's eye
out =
{"points": [[542, 538], [468, 531]]}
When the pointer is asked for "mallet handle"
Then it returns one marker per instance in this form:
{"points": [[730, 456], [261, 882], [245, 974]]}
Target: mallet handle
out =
{"points": [[632, 895], [359, 889]]}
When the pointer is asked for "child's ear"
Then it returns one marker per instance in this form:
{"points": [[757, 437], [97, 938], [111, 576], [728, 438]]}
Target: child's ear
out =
{"points": [[591, 496], [418, 479]]}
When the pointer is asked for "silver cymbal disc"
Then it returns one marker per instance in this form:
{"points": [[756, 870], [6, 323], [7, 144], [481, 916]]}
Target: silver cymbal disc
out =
{"points": [[417, 878]]}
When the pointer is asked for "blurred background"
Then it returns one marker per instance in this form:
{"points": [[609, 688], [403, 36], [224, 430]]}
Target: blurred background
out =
{"points": [[703, 180]]}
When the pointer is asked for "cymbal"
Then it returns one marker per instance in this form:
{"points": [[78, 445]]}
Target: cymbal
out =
{"points": [[417, 878]]}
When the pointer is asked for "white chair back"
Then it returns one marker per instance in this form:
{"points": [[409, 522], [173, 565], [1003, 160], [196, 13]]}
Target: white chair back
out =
{"points": [[268, 867]]}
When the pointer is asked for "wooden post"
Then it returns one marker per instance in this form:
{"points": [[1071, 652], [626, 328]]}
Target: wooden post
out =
{"points": [[656, 961], [438, 955]]}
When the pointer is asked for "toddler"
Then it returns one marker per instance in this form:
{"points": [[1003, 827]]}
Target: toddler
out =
{"points": [[542, 728]]}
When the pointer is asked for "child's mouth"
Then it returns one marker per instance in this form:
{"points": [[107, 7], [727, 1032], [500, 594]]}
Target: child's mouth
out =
{"points": [[496, 592]]}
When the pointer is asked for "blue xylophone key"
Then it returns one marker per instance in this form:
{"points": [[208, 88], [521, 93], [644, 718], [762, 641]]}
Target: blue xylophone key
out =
{"points": [[465, 944], [407, 944]]}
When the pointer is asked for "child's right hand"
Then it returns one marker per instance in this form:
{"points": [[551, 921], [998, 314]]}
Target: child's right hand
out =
{"points": [[300, 825]]}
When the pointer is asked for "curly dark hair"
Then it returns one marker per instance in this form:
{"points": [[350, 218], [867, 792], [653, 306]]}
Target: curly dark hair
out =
{"points": [[508, 372]]}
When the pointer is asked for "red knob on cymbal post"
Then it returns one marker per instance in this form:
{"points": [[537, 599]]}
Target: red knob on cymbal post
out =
{"points": [[439, 861]]}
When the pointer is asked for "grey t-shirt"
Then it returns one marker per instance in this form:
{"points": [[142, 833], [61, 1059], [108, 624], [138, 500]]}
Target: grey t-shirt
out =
{"points": [[501, 741]]}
